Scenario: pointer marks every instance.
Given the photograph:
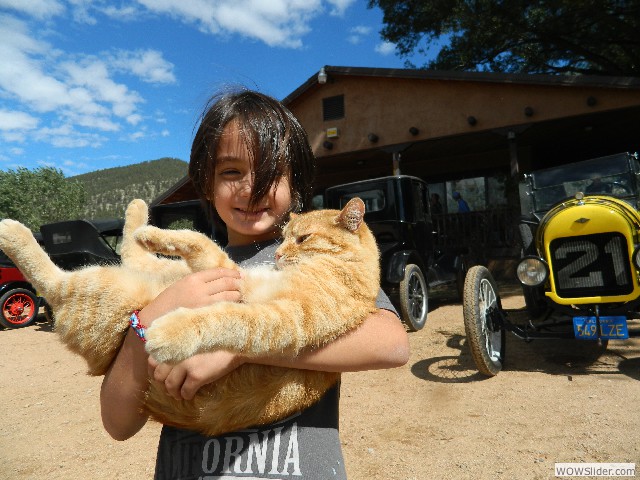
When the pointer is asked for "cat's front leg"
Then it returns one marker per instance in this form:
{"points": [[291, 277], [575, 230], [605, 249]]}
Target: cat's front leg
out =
{"points": [[198, 250], [19, 244], [253, 330], [174, 337]]}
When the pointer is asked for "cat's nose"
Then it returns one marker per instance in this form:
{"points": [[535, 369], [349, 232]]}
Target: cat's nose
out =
{"points": [[278, 256]]}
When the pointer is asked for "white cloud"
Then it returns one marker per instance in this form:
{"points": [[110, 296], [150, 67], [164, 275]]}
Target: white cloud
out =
{"points": [[76, 96], [34, 8], [356, 34], [67, 136], [280, 23], [13, 120], [80, 11], [339, 6], [135, 136], [96, 92], [385, 48], [134, 119], [148, 65], [30, 76], [125, 13]]}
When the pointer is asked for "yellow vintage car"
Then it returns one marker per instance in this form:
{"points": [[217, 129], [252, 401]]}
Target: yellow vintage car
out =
{"points": [[580, 262]]}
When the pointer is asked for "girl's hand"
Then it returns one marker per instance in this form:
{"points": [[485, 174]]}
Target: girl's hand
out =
{"points": [[183, 380], [195, 290]]}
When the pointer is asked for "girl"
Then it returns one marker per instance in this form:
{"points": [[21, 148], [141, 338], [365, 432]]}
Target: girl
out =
{"points": [[252, 162]]}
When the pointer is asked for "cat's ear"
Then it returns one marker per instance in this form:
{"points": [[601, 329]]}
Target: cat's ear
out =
{"points": [[352, 214]]}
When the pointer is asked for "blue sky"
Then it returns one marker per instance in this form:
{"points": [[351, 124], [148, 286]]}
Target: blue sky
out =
{"points": [[90, 84]]}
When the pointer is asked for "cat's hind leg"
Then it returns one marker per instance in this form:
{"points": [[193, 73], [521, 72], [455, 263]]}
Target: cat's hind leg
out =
{"points": [[198, 250], [21, 247], [136, 216]]}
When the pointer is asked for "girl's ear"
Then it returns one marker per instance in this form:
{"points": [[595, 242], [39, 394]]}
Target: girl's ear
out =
{"points": [[352, 214]]}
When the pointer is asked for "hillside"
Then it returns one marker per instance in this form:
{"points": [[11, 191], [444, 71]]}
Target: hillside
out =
{"points": [[110, 190]]}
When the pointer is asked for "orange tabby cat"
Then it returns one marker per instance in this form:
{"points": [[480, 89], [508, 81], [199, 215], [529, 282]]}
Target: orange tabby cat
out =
{"points": [[325, 283]]}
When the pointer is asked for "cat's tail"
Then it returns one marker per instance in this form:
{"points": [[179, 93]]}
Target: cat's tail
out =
{"points": [[19, 244]]}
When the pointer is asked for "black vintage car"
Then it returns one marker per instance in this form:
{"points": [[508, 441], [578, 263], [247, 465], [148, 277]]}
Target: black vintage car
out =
{"points": [[397, 212], [76, 243]]}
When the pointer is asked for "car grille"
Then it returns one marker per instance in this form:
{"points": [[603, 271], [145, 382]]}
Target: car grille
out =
{"points": [[591, 265]]}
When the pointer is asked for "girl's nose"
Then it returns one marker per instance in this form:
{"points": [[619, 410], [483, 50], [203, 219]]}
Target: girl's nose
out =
{"points": [[246, 185]]}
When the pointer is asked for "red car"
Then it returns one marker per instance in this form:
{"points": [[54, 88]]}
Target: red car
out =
{"points": [[18, 299]]}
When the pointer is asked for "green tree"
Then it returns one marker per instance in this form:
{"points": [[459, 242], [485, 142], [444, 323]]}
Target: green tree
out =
{"points": [[596, 37], [36, 197]]}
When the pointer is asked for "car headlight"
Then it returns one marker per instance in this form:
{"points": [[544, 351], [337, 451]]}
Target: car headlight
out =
{"points": [[532, 271]]}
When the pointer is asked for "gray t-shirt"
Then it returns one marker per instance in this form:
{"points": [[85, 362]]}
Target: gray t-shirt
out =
{"points": [[304, 446]]}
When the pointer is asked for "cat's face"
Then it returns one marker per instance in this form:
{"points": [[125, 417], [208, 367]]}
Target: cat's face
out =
{"points": [[333, 232]]}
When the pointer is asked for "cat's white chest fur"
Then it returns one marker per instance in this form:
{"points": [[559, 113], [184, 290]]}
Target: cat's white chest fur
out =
{"points": [[260, 283]]}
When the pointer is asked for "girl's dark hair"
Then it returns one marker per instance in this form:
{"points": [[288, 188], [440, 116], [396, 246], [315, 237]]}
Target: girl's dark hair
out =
{"points": [[277, 144]]}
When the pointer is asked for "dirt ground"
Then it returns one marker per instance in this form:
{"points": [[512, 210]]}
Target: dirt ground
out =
{"points": [[435, 418]]}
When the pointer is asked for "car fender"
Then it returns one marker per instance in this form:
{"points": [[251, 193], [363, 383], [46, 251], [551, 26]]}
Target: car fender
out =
{"points": [[397, 265]]}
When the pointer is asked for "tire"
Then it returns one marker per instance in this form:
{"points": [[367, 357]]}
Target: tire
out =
{"points": [[19, 308], [483, 322], [414, 299]]}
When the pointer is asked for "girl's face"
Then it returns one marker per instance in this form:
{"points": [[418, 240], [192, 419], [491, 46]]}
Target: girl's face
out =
{"points": [[232, 186]]}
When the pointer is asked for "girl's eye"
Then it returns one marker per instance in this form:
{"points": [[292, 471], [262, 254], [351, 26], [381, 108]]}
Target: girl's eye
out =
{"points": [[229, 173], [302, 238]]}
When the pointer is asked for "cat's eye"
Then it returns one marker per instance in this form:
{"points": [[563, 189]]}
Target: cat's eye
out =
{"points": [[302, 238]]}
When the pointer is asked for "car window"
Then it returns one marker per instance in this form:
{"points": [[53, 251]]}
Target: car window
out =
{"points": [[374, 200]]}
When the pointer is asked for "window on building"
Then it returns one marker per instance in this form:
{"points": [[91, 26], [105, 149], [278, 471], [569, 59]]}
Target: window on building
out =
{"points": [[333, 108]]}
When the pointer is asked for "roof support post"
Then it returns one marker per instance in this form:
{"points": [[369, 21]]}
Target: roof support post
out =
{"points": [[396, 163], [513, 153]]}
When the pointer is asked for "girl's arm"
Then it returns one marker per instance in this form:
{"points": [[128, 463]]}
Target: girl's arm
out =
{"points": [[127, 379], [380, 342]]}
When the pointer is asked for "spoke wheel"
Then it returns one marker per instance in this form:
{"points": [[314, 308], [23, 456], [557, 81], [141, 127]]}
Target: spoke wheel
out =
{"points": [[19, 308], [482, 321], [414, 300]]}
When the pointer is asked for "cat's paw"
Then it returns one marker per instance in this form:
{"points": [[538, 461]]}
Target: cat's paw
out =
{"points": [[169, 341], [13, 233], [136, 215]]}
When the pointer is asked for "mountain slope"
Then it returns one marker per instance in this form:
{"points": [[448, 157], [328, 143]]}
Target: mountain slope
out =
{"points": [[109, 191]]}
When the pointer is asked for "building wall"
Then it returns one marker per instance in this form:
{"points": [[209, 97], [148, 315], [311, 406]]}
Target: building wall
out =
{"points": [[388, 107]]}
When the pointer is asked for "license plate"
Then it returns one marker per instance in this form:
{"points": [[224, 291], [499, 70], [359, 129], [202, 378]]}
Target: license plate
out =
{"points": [[586, 328]]}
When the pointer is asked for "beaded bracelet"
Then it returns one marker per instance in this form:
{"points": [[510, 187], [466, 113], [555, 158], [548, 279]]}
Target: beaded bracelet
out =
{"points": [[140, 329]]}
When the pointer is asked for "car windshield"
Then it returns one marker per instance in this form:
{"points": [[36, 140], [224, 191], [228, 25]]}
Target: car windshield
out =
{"points": [[374, 200], [610, 175]]}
